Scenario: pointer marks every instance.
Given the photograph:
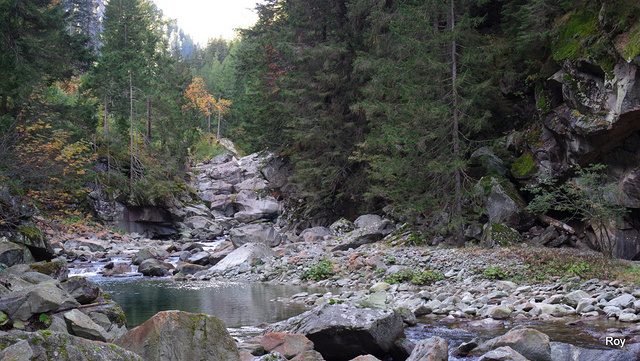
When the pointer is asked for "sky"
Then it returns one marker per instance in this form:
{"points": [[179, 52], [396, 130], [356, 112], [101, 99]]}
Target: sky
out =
{"points": [[205, 19]]}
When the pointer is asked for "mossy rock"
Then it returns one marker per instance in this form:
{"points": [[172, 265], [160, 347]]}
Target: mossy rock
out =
{"points": [[497, 235], [524, 167]]}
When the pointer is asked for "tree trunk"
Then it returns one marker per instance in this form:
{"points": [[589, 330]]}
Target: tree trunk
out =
{"points": [[219, 117], [106, 137], [131, 165], [455, 131], [148, 118]]}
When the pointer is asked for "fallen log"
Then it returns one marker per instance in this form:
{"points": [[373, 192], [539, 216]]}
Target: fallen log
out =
{"points": [[558, 224]]}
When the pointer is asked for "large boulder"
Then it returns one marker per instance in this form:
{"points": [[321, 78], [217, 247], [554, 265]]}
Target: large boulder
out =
{"points": [[83, 326], [370, 228], [178, 336], [341, 332], [566, 352], [82, 289], [155, 268], [503, 202], [315, 234], [244, 257], [530, 343], [252, 207], [288, 345], [255, 233], [495, 235], [40, 298], [431, 349], [10, 253], [47, 345]]}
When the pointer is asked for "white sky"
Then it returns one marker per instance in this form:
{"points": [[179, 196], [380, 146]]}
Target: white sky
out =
{"points": [[205, 19]]}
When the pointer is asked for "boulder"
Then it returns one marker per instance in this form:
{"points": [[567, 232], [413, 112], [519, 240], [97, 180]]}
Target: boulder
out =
{"points": [[532, 344], [10, 253], [36, 346], [370, 229], [245, 256], [252, 207], [432, 349], [255, 233], [288, 345], [504, 204], [342, 226], [315, 234], [504, 353], [31, 237], [499, 312], [342, 331], [251, 184], [566, 352], [491, 163], [178, 336], [309, 356], [143, 255], [365, 358], [622, 302], [496, 235], [155, 268], [573, 298], [82, 289], [83, 326], [190, 269], [40, 298]]}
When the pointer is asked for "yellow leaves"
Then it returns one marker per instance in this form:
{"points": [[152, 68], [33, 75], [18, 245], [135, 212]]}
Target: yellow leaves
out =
{"points": [[199, 99]]}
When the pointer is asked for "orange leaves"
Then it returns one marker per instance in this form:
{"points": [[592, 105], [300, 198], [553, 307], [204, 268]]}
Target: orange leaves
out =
{"points": [[202, 101], [199, 98]]}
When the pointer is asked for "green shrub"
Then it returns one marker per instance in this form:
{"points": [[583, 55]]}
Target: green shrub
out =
{"points": [[426, 277], [495, 273], [321, 271]]}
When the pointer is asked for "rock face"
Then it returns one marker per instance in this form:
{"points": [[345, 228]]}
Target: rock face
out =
{"points": [[178, 336], [236, 188], [342, 332], [255, 233], [46, 345]]}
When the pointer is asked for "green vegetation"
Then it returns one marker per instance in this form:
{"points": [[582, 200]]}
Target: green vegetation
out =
{"points": [[415, 277], [495, 273], [524, 166], [321, 271], [585, 198]]}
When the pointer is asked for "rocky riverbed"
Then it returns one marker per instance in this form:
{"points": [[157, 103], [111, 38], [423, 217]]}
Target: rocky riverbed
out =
{"points": [[389, 277]]}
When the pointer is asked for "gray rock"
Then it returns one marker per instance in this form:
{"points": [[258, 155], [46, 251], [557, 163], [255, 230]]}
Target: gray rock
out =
{"points": [[504, 353], [83, 326], [487, 158], [155, 268], [82, 289], [178, 336], [144, 254], [41, 298], [371, 231], [342, 226], [315, 234], [624, 301], [496, 235], [499, 312], [573, 298], [245, 256], [60, 346], [432, 349], [566, 352], [367, 220], [253, 207], [504, 204], [10, 253], [255, 233], [530, 343], [343, 331], [586, 305]]}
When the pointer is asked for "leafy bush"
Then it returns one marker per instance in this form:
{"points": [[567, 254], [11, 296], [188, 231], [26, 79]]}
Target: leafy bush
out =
{"points": [[403, 276], [321, 271], [426, 277], [495, 273]]}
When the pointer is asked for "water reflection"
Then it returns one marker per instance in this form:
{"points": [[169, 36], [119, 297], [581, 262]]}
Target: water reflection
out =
{"points": [[237, 304]]}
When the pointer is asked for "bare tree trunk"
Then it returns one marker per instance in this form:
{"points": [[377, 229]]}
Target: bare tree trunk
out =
{"points": [[106, 136], [219, 118], [148, 118], [455, 132], [131, 164]]}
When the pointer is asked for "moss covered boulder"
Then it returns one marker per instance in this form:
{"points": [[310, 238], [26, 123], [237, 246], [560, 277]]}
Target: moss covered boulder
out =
{"points": [[498, 235], [177, 336], [46, 345]]}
